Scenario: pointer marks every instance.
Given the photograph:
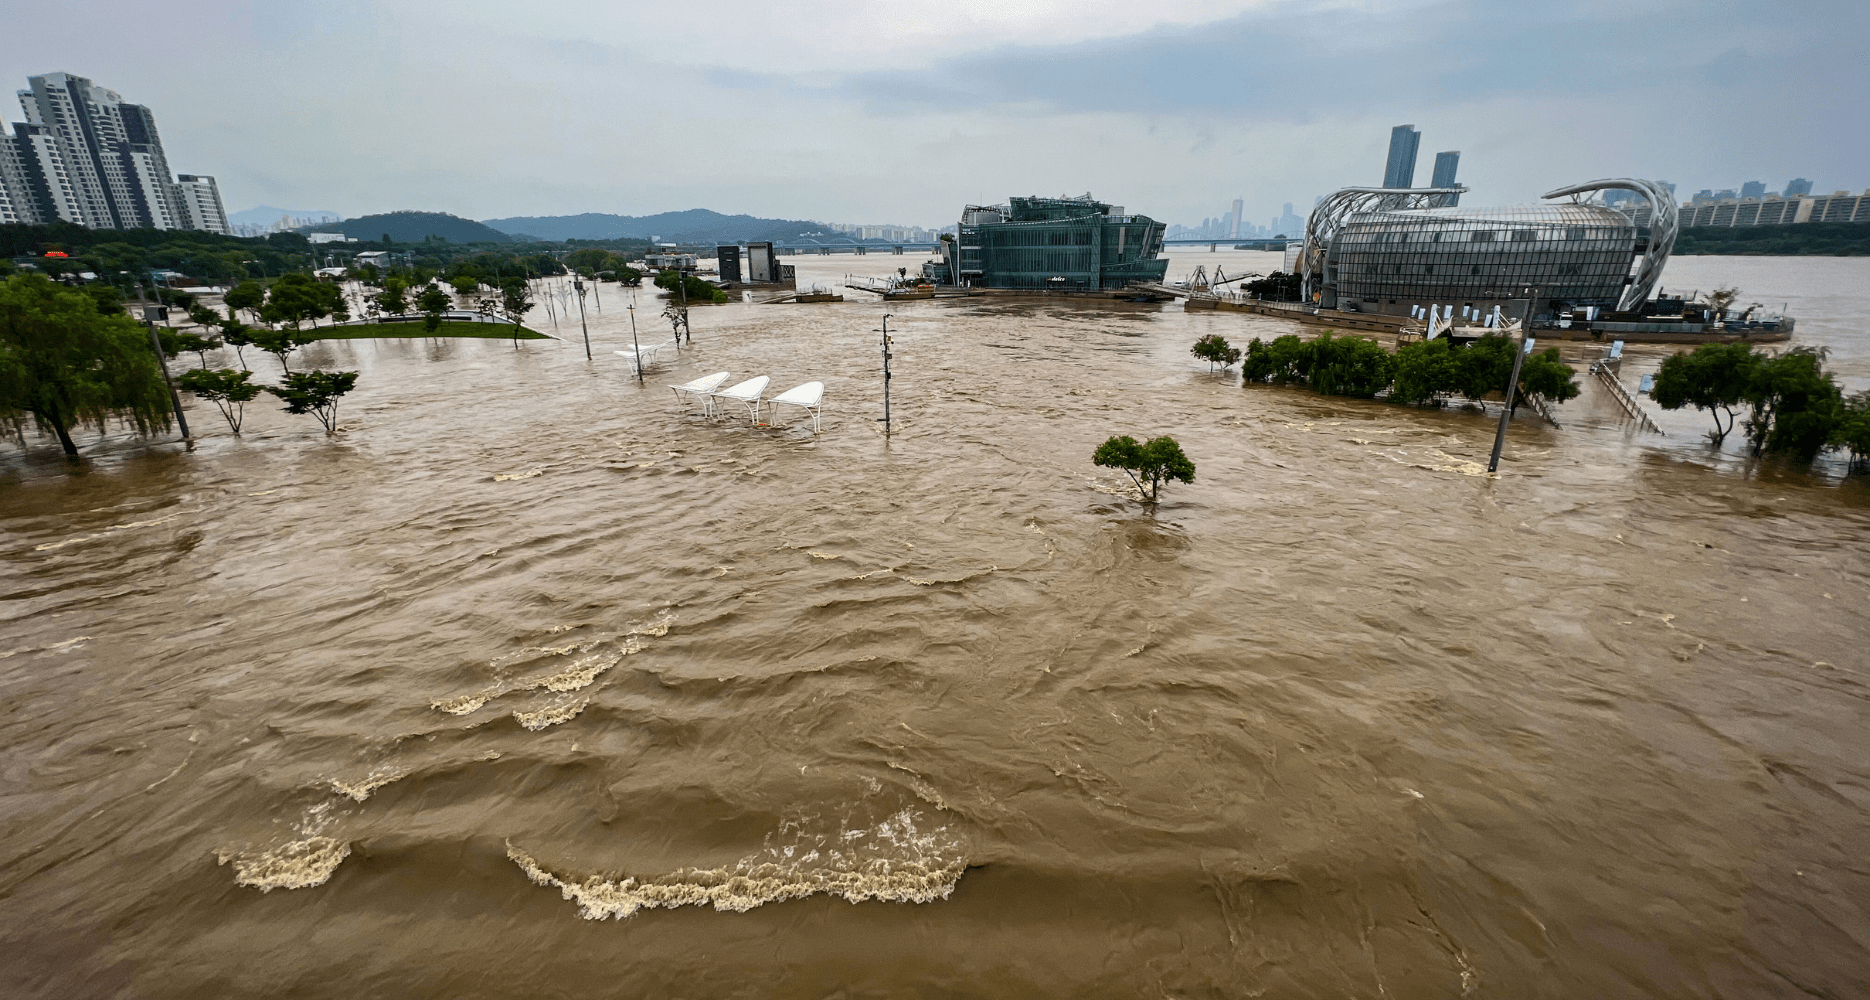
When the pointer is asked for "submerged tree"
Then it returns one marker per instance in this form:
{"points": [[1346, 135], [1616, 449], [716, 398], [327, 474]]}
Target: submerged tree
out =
{"points": [[1712, 377], [433, 303], [1796, 405], [66, 364], [248, 295], [225, 388], [278, 343], [1148, 465], [515, 301], [315, 392], [1214, 349]]}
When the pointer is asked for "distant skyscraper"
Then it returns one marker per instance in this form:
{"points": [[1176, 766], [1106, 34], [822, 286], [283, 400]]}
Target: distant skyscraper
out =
{"points": [[1233, 233], [1445, 166], [1753, 189], [1797, 187], [1399, 172], [84, 156]]}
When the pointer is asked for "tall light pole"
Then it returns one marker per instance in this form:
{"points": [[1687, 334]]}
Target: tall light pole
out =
{"points": [[633, 344], [1512, 383], [162, 365], [886, 373], [578, 283]]}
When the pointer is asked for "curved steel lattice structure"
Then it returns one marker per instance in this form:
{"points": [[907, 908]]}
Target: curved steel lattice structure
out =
{"points": [[1664, 227], [1329, 215], [1386, 250]]}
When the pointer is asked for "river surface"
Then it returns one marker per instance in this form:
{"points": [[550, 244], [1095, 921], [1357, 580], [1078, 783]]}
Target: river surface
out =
{"points": [[534, 682]]}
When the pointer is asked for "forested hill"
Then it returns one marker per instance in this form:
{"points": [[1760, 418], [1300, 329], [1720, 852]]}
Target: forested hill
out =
{"points": [[695, 226], [413, 227]]}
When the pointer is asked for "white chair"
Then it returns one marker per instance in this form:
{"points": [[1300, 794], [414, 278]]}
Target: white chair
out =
{"points": [[747, 393], [809, 397], [701, 388]]}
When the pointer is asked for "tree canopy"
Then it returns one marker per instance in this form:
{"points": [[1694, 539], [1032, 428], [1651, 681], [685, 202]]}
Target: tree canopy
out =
{"points": [[65, 364], [315, 392], [227, 389], [1712, 377], [1149, 464], [1214, 349]]}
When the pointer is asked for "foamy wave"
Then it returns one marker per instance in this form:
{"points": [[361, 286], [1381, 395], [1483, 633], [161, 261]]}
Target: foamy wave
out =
{"points": [[893, 862], [508, 476], [581, 673], [300, 864], [657, 628], [360, 789], [544, 717]]}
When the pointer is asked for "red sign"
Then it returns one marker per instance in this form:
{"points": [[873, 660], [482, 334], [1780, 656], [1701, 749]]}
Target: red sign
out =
{"points": [[56, 253]]}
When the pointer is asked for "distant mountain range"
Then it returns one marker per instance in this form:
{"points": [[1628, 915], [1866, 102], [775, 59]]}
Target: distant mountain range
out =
{"points": [[695, 226], [413, 227]]}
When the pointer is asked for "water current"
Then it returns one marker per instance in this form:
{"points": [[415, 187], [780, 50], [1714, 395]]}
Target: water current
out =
{"points": [[533, 681]]}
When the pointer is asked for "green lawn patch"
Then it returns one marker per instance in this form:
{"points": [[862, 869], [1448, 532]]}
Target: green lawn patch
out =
{"points": [[371, 331]]}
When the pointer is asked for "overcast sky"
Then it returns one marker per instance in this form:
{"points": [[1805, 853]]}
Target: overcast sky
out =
{"points": [[872, 112]]}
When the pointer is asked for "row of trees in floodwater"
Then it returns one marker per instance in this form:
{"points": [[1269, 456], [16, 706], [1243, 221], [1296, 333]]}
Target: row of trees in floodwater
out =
{"points": [[1792, 406], [1424, 373], [69, 361]]}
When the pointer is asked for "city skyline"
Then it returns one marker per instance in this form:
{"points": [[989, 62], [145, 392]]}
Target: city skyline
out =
{"points": [[910, 118]]}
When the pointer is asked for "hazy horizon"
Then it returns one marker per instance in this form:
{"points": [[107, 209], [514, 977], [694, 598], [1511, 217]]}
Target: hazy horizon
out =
{"points": [[879, 116]]}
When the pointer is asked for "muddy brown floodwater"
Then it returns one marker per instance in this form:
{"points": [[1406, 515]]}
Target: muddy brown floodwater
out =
{"points": [[532, 682]]}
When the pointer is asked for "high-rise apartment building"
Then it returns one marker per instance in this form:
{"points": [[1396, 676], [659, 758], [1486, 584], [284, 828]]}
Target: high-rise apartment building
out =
{"points": [[1798, 187], [1399, 172], [200, 202], [1753, 189], [1233, 229], [84, 156]]}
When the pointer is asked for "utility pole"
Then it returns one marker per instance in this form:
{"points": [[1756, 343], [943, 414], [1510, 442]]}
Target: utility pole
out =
{"points": [[886, 374], [578, 283], [637, 350], [162, 365], [1512, 383]]}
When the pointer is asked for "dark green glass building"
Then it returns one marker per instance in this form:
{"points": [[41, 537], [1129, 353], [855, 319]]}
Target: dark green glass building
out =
{"points": [[1060, 244]]}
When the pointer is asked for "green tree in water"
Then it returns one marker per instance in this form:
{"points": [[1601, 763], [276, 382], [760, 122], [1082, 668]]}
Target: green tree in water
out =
{"points": [[66, 364], [1796, 405], [515, 300], [248, 295], [392, 300], [433, 303], [1214, 349], [227, 389], [1712, 377], [1148, 465], [316, 393]]}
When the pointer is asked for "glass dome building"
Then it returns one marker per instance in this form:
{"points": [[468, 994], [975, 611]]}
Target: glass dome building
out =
{"points": [[1383, 251]]}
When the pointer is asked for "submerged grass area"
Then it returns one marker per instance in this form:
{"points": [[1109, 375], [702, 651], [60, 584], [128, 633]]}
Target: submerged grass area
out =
{"points": [[371, 331]]}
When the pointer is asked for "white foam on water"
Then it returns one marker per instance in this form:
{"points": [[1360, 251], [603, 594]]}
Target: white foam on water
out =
{"points": [[115, 527], [580, 674], [360, 789], [893, 861], [298, 864], [552, 716], [508, 476]]}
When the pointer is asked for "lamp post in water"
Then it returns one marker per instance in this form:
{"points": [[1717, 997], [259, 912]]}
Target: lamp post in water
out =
{"points": [[578, 283], [162, 363], [634, 349], [1512, 383], [886, 373]]}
